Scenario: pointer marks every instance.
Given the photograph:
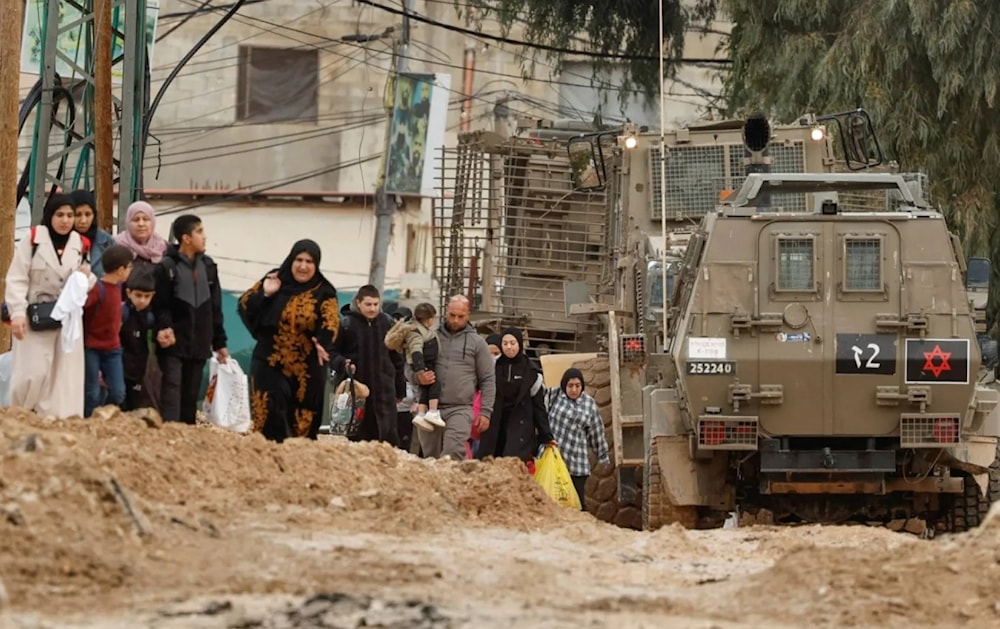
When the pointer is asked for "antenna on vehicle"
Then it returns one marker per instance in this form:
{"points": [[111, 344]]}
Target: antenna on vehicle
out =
{"points": [[663, 183]]}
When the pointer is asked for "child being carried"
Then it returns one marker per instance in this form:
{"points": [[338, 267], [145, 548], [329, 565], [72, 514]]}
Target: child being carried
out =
{"points": [[421, 354]]}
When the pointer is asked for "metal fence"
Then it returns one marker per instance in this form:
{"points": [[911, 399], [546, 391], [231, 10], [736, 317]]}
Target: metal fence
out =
{"points": [[515, 263]]}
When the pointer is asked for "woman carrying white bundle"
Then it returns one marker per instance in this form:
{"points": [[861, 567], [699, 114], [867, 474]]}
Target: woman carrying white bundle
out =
{"points": [[48, 369]]}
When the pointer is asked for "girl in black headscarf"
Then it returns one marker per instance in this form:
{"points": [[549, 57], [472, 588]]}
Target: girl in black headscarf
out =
{"points": [[86, 225], [520, 423], [292, 313]]}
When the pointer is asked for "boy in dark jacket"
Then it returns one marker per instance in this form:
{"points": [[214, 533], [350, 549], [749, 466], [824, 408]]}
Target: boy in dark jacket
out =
{"points": [[188, 311], [137, 321], [361, 341]]}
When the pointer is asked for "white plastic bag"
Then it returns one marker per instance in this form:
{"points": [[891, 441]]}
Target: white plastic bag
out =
{"points": [[227, 400], [6, 375]]}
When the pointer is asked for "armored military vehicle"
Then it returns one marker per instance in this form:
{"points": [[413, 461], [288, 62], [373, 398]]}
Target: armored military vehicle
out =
{"points": [[821, 364], [586, 240]]}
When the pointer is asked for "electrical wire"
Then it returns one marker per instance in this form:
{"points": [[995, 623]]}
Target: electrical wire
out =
{"points": [[556, 49], [245, 19], [33, 100], [201, 136], [276, 141], [151, 111], [550, 82], [272, 185], [251, 20], [267, 186], [200, 10], [184, 21], [281, 140], [322, 7], [248, 19], [230, 86]]}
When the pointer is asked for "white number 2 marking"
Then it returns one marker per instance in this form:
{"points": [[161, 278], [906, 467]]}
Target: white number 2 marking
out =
{"points": [[859, 354]]}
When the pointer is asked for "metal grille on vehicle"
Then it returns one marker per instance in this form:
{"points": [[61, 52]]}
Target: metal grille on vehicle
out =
{"points": [[696, 175], [918, 430], [795, 264], [726, 432], [864, 264]]}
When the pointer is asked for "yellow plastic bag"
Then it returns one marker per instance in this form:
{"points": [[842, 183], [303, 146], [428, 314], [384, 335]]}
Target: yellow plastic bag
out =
{"points": [[552, 475]]}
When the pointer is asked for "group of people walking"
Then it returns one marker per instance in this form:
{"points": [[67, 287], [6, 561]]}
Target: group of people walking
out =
{"points": [[131, 320], [128, 320], [445, 391]]}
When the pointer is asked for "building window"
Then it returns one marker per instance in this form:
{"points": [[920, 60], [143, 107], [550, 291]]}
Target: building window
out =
{"points": [[277, 85], [863, 258], [795, 264]]}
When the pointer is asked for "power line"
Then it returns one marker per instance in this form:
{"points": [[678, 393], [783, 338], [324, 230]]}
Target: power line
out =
{"points": [[203, 9], [346, 115], [235, 123], [270, 185], [248, 19], [211, 9], [228, 86], [280, 140], [546, 47], [184, 21]]}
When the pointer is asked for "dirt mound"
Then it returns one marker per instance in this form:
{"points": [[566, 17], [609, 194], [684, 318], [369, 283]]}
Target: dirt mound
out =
{"points": [[885, 580], [84, 503]]}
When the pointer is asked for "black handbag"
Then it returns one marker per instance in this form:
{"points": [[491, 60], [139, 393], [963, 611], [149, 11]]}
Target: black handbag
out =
{"points": [[40, 317]]}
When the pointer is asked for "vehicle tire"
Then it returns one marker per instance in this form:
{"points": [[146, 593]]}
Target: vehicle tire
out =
{"points": [[969, 509], [601, 495], [964, 509], [992, 488], [657, 511]]}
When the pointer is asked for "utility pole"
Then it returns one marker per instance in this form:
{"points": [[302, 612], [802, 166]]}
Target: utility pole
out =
{"points": [[10, 81], [501, 113], [384, 209], [103, 129]]}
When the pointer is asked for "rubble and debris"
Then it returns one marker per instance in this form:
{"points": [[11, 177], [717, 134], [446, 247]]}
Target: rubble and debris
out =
{"points": [[354, 535]]}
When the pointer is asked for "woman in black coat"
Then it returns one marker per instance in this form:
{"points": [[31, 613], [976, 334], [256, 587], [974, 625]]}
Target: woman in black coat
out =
{"points": [[288, 312], [520, 422]]}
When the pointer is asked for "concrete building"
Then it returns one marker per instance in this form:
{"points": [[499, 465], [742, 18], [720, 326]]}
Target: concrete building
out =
{"points": [[288, 98]]}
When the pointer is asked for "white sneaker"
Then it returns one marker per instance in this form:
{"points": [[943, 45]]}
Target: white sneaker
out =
{"points": [[434, 418], [421, 422]]}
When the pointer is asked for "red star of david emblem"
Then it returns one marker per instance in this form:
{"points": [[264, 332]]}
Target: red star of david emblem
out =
{"points": [[936, 368]]}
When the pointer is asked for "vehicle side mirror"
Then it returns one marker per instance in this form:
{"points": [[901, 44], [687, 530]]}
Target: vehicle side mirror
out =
{"points": [[586, 163], [977, 275]]}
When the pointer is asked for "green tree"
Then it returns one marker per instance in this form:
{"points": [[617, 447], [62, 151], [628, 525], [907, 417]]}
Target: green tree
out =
{"points": [[926, 70], [625, 32]]}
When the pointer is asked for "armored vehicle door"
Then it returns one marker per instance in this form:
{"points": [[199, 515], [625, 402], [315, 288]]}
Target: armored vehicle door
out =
{"points": [[867, 355], [823, 283]]}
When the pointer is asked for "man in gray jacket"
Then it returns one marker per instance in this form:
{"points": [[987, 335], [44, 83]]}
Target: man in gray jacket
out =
{"points": [[464, 366]]}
